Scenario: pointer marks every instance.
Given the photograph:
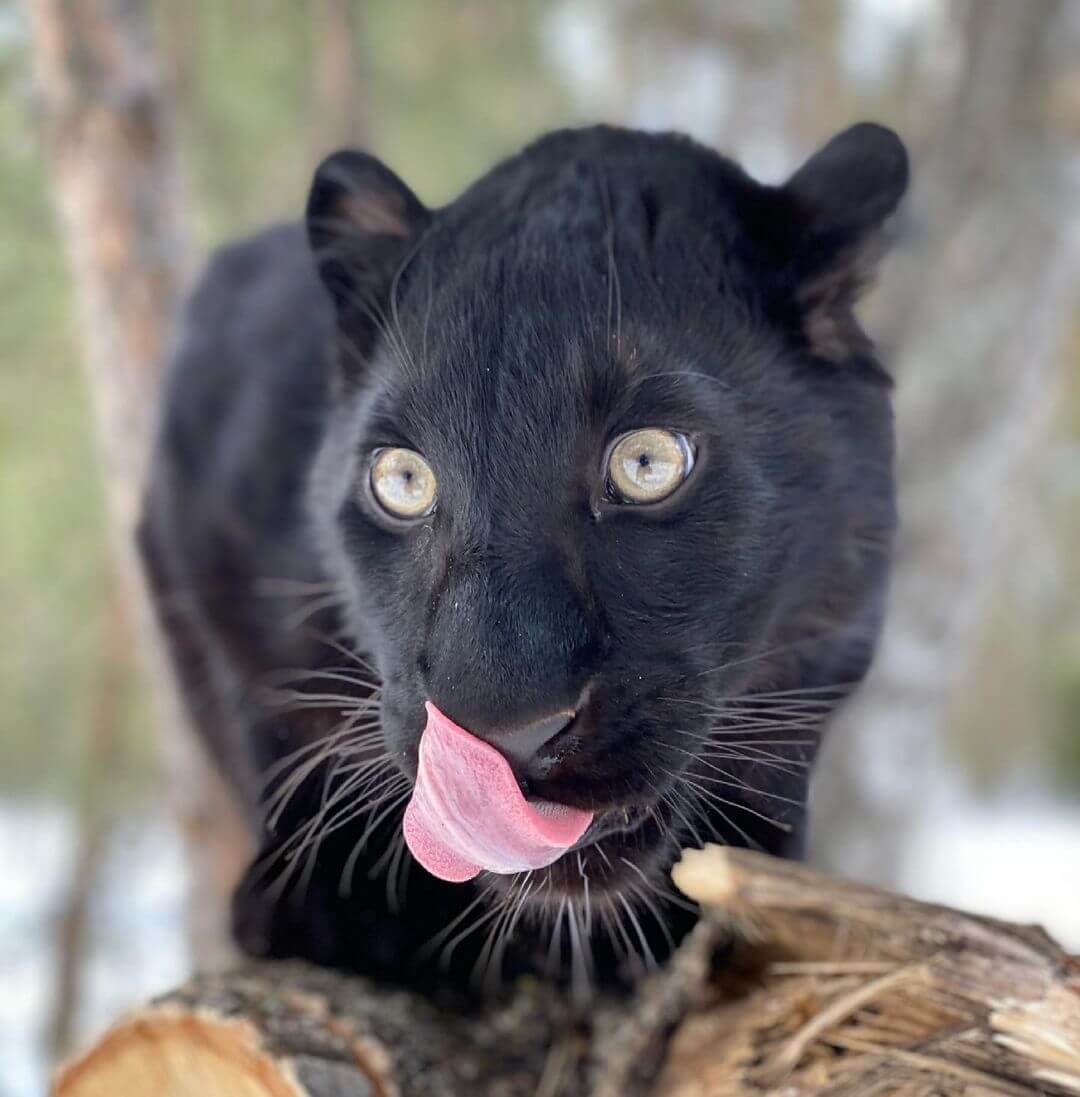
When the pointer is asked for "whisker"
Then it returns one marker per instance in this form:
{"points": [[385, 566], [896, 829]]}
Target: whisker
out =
{"points": [[275, 804], [651, 907], [555, 944], [321, 827], [653, 886], [448, 950], [717, 800], [314, 607], [717, 804], [585, 892], [617, 936], [838, 688], [524, 891], [647, 953], [295, 699], [581, 958], [730, 781], [793, 767], [337, 674], [268, 587], [756, 758], [343, 731], [429, 947], [393, 803], [670, 799], [343, 649]]}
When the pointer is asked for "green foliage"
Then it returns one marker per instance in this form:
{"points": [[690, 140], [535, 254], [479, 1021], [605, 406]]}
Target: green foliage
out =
{"points": [[455, 87], [245, 122], [447, 89]]}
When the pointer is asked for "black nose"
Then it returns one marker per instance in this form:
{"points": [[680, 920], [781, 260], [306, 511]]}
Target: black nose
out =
{"points": [[521, 745], [509, 644]]}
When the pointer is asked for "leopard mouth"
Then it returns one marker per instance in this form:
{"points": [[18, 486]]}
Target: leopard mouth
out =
{"points": [[470, 813], [623, 848], [620, 822]]}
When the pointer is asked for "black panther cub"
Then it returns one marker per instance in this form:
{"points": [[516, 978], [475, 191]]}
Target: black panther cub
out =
{"points": [[506, 548]]}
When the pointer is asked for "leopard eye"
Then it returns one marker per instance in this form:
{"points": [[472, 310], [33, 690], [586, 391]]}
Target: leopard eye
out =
{"points": [[647, 465], [403, 483]]}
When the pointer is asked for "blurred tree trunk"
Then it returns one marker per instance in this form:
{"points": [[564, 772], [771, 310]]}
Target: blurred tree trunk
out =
{"points": [[822, 102], [114, 172], [102, 749], [973, 320], [339, 110], [179, 38]]}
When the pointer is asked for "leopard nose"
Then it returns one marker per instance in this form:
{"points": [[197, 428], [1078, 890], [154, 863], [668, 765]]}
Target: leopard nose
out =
{"points": [[521, 745]]}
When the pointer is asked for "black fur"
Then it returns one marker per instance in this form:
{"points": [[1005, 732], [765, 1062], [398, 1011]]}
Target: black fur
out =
{"points": [[599, 281]]}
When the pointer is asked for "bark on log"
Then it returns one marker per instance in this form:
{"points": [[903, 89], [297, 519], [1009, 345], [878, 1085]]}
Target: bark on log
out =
{"points": [[825, 987]]}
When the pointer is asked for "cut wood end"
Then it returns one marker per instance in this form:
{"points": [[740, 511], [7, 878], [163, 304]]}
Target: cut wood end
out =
{"points": [[169, 1052], [706, 875]]}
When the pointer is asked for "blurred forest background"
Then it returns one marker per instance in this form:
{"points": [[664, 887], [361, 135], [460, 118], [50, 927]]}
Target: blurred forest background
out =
{"points": [[955, 774]]}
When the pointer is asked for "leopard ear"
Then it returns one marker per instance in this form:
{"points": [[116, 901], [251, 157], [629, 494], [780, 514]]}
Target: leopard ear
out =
{"points": [[362, 224], [842, 197]]}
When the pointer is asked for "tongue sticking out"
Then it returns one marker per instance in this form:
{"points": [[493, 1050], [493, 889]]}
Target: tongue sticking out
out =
{"points": [[467, 812]]}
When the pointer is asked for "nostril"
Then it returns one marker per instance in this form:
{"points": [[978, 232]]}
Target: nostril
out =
{"points": [[521, 745]]}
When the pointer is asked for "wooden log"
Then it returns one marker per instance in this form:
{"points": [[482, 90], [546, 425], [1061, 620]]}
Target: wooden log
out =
{"points": [[860, 991], [287, 1030], [794, 983]]}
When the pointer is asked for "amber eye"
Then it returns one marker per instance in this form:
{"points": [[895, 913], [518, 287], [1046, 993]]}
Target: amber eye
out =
{"points": [[403, 483], [647, 465]]}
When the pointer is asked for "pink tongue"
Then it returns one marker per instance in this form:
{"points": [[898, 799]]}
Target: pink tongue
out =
{"points": [[467, 812]]}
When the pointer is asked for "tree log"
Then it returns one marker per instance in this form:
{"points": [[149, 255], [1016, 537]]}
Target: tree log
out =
{"points": [[794, 983]]}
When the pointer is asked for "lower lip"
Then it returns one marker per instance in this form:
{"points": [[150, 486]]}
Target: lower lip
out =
{"points": [[610, 823]]}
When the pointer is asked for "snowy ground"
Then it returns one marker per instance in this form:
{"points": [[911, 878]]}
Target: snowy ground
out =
{"points": [[1017, 861], [136, 940], [1020, 862]]}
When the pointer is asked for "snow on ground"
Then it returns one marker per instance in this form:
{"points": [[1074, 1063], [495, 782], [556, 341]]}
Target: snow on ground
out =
{"points": [[136, 946], [1019, 861]]}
